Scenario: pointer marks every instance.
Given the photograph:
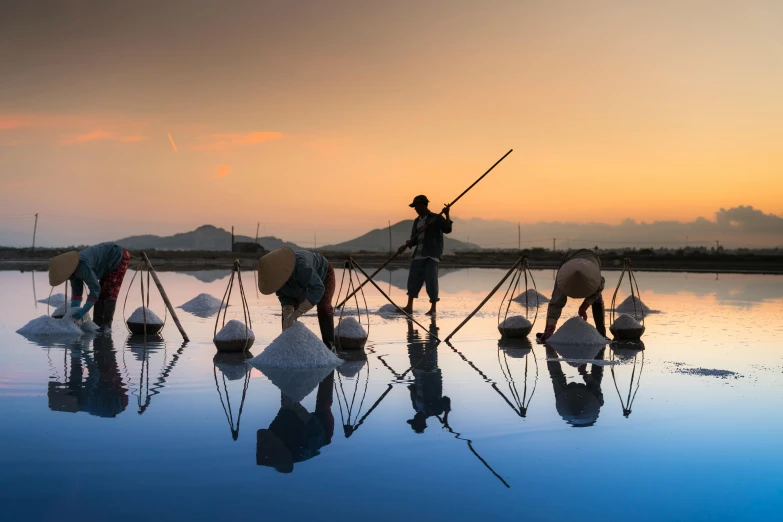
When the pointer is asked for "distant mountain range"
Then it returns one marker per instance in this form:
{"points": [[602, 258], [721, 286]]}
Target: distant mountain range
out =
{"points": [[378, 240], [206, 237]]}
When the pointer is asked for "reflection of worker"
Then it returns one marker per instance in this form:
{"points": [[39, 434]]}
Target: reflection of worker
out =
{"points": [[580, 277], [102, 268], [301, 280], [427, 388], [578, 403], [296, 435], [102, 393], [429, 250]]}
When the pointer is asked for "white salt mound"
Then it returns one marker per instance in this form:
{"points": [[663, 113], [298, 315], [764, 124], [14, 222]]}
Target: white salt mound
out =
{"points": [[515, 321], [234, 331], [350, 328], [626, 322], [577, 331], [46, 325], [203, 303], [627, 306], [296, 383], [85, 323], [529, 297], [297, 347], [55, 300], [388, 309], [138, 316], [60, 310]]}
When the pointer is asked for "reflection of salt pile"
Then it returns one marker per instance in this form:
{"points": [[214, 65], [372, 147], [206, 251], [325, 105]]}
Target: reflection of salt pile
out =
{"points": [[577, 331], [578, 354], [627, 306], [46, 325], [529, 297], [234, 331], [55, 300], [351, 329], [626, 322], [203, 303], [296, 383], [139, 314], [350, 369], [297, 347], [515, 322], [388, 309]]}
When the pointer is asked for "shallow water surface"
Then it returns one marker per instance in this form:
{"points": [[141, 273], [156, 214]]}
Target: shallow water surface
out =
{"points": [[686, 426]]}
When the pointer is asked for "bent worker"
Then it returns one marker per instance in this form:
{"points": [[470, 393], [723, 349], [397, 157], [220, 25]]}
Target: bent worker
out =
{"points": [[301, 280], [427, 236], [579, 276], [101, 268]]}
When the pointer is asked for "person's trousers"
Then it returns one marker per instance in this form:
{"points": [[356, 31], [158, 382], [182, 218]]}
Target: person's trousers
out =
{"points": [[599, 315], [325, 309], [423, 272]]}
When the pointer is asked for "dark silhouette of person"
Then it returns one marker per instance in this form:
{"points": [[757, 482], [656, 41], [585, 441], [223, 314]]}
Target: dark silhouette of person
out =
{"points": [[578, 403], [427, 388], [296, 435], [101, 392]]}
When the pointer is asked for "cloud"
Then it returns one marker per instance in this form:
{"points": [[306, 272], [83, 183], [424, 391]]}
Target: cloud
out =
{"points": [[173, 145], [742, 226], [223, 171], [102, 135], [225, 141]]}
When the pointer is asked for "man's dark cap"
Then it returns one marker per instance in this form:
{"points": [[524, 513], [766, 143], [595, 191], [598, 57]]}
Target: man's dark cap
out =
{"points": [[421, 198]]}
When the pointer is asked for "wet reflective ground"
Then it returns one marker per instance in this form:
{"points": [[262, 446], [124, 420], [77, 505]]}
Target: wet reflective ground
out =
{"points": [[689, 428]]}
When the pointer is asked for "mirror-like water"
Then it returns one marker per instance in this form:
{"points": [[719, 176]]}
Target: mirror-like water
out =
{"points": [[113, 428]]}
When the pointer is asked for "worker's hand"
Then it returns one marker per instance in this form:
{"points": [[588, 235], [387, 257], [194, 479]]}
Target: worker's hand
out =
{"points": [[78, 315], [583, 310], [446, 211], [288, 311], [550, 329], [75, 304], [289, 320], [403, 248]]}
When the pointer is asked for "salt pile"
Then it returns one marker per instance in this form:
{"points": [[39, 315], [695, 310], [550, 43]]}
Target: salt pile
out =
{"points": [[626, 322], [46, 325], [577, 331], [389, 309], [530, 297], [55, 300], [138, 316], [296, 383], [203, 303], [234, 331], [85, 323], [297, 347], [350, 328], [627, 306], [515, 322], [578, 354]]}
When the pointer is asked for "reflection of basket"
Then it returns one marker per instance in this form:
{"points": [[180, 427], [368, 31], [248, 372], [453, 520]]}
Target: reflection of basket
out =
{"points": [[515, 333], [351, 343], [234, 345], [628, 334], [138, 328]]}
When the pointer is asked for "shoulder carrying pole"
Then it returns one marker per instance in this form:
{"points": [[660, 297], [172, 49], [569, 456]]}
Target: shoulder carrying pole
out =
{"points": [[164, 296], [395, 254]]}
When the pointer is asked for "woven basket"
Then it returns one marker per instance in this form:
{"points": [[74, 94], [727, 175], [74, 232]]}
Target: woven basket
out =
{"points": [[627, 334], [515, 333], [138, 328], [351, 343], [236, 345]]}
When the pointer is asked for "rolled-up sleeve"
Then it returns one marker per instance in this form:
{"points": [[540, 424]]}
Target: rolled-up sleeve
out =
{"points": [[555, 308], [589, 300], [308, 278], [84, 275], [445, 225]]}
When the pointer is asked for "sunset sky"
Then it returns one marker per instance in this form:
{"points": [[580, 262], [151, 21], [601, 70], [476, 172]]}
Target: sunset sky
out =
{"points": [[121, 118]]}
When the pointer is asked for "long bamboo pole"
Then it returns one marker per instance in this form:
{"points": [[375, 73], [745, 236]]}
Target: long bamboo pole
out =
{"points": [[474, 312], [164, 296], [389, 298], [395, 254]]}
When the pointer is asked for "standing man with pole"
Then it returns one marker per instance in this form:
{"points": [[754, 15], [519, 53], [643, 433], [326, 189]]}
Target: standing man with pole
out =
{"points": [[427, 237]]}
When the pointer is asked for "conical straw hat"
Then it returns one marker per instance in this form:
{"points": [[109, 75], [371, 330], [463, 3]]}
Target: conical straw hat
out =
{"points": [[62, 267], [579, 278], [274, 269]]}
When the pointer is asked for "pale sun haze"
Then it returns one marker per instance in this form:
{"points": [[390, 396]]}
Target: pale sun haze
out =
{"points": [[328, 117]]}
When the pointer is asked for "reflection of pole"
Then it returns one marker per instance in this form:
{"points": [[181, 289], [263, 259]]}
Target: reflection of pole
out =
{"points": [[474, 312], [35, 229], [154, 274], [35, 297]]}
